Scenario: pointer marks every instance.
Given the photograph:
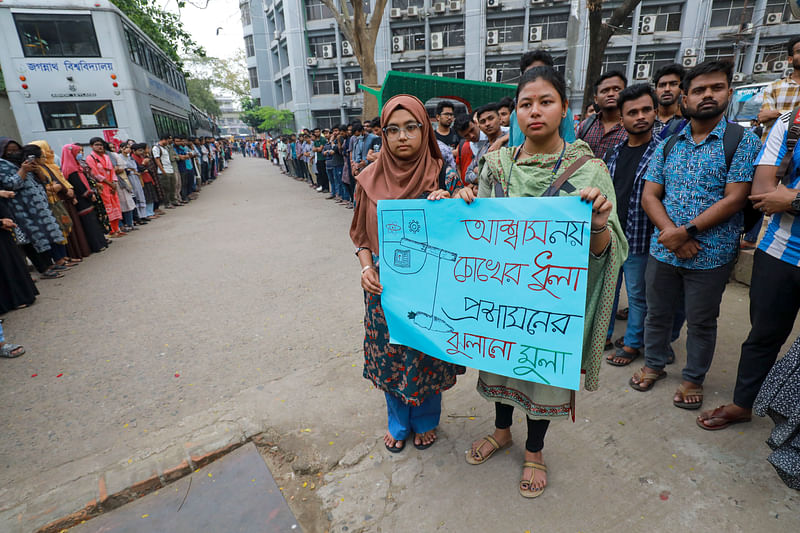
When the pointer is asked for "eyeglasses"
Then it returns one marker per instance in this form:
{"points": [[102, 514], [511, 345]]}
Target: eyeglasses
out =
{"points": [[411, 130], [447, 114]]}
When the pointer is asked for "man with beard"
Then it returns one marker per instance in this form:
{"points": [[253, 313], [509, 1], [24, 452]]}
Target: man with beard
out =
{"points": [[504, 108], [782, 95], [445, 115], [603, 131], [667, 82], [695, 198]]}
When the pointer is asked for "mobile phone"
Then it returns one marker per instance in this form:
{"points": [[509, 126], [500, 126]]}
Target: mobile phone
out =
{"points": [[31, 158]]}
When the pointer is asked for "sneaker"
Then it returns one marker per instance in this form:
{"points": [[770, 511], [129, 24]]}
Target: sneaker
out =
{"points": [[319, 189]]}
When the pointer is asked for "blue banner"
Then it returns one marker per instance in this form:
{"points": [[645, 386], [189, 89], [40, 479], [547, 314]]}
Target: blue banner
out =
{"points": [[498, 285]]}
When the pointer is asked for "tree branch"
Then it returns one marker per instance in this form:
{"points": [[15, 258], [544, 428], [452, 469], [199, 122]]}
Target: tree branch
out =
{"points": [[375, 20], [342, 20], [621, 13]]}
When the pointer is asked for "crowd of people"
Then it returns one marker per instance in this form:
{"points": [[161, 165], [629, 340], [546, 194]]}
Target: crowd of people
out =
{"points": [[55, 211]]}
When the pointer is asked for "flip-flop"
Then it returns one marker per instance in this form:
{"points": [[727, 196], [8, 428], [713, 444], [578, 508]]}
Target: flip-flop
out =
{"points": [[481, 459], [684, 392], [651, 376], [718, 413], [531, 492], [425, 446], [622, 354], [7, 350], [395, 449]]}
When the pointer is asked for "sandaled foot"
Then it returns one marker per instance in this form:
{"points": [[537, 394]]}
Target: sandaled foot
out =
{"points": [[688, 396], [10, 351], [392, 444], [624, 356], [723, 416], [423, 441], [483, 448], [644, 379], [534, 476]]}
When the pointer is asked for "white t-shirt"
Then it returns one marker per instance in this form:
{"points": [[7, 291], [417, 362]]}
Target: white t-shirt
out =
{"points": [[162, 153]]}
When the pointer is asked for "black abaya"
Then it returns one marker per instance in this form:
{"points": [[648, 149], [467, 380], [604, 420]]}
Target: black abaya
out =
{"points": [[86, 212], [16, 286]]}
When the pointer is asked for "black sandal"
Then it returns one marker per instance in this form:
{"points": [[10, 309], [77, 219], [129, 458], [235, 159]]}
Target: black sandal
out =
{"points": [[395, 449]]}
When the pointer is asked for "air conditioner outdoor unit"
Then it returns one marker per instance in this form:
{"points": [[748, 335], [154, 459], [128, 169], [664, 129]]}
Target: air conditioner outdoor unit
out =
{"points": [[397, 44], [437, 40], [311, 61], [642, 71], [347, 49], [780, 66], [492, 75], [536, 2], [690, 52], [492, 38], [689, 62], [761, 67], [349, 86], [439, 7], [395, 13], [455, 5], [738, 77], [788, 72], [492, 3], [327, 51], [535, 34], [438, 74], [412, 11], [774, 18], [648, 24]]}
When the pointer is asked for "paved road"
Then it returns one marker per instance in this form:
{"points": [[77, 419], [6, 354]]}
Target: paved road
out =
{"points": [[241, 313]]}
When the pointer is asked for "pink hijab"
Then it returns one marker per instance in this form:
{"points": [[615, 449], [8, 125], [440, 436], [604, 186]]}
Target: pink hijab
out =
{"points": [[69, 163]]}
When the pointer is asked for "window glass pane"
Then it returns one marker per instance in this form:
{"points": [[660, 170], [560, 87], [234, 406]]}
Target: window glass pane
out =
{"points": [[249, 48], [325, 84], [253, 73], [245, 8], [78, 115], [68, 36]]}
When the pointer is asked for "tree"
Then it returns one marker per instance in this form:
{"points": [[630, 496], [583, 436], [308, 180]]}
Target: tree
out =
{"points": [[200, 95], [164, 28], [362, 35], [223, 74], [599, 34], [266, 118]]}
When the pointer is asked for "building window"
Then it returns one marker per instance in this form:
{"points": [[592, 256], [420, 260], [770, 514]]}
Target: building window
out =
{"points": [[770, 53], [656, 59], [325, 84], [316, 10], [146, 56], [779, 6], [553, 26], [253, 73], [449, 71], [65, 36], [403, 67], [668, 17], [722, 53], [327, 118], [316, 43], [249, 47], [622, 29], [245, 8], [413, 37], [167, 123], [731, 12], [453, 33], [78, 115], [615, 61], [354, 75], [510, 29], [405, 4], [507, 70]]}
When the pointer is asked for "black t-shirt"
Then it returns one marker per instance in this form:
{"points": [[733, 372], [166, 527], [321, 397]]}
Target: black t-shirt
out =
{"points": [[624, 174], [451, 139]]}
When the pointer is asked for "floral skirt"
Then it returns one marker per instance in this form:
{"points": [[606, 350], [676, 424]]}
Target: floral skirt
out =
{"points": [[399, 370]]}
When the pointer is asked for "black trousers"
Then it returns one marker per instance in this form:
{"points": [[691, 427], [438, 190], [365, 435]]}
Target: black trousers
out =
{"points": [[774, 304], [322, 176], [41, 260], [536, 428]]}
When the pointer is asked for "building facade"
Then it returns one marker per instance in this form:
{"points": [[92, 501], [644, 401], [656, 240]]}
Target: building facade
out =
{"points": [[298, 60], [229, 122]]}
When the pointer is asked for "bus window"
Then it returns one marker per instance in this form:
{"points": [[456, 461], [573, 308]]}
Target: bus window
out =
{"points": [[77, 115], [67, 36]]}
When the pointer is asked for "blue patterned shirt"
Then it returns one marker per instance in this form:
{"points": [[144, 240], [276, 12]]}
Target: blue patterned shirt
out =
{"points": [[638, 227], [694, 178]]}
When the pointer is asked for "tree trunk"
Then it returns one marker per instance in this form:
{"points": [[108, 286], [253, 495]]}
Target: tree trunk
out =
{"points": [[369, 75], [599, 35]]}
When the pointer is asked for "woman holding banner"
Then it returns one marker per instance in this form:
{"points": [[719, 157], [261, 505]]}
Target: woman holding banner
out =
{"points": [[535, 169], [411, 380]]}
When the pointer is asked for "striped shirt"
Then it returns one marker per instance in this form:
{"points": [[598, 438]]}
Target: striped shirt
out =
{"points": [[782, 239]]}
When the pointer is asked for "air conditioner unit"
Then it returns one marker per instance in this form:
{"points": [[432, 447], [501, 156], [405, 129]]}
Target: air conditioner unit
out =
{"points": [[761, 67], [690, 52], [535, 34], [689, 62], [492, 38], [492, 75], [642, 71], [397, 44], [455, 5], [492, 3], [746, 28], [311, 61], [350, 86], [738, 77], [412, 11], [648, 25], [347, 49], [439, 7], [774, 18], [277, 35], [438, 74], [780, 66], [327, 51], [437, 40], [537, 2], [395, 13]]}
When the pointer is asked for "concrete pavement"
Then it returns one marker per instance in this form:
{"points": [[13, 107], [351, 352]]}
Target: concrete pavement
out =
{"points": [[240, 315]]}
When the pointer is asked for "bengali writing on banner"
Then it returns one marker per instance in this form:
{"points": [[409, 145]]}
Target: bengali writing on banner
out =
{"points": [[498, 285]]}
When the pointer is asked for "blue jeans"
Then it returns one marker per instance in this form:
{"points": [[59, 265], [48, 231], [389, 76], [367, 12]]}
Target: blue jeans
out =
{"points": [[2, 339], [405, 418]]}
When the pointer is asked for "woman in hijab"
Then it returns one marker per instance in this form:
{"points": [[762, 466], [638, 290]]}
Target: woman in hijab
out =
{"points": [[103, 172], [57, 185], [149, 191], [85, 198], [16, 286], [408, 167], [132, 172], [124, 189], [39, 232]]}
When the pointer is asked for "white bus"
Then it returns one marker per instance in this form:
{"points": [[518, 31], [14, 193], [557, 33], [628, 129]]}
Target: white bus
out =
{"points": [[78, 69]]}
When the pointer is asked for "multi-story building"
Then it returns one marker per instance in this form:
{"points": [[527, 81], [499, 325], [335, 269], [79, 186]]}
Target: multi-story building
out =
{"points": [[298, 59], [229, 122]]}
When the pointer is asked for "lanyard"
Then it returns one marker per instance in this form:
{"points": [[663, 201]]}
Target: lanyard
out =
{"points": [[555, 167]]}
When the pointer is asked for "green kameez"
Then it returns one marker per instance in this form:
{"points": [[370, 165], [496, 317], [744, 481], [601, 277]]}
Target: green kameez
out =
{"points": [[531, 177]]}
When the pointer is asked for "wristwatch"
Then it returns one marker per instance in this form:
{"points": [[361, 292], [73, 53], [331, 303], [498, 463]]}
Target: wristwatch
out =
{"points": [[796, 204], [691, 229]]}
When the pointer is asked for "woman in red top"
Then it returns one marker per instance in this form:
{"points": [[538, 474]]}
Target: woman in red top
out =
{"points": [[103, 170]]}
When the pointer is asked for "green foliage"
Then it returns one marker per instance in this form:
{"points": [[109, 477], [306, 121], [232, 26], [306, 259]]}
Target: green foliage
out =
{"points": [[222, 74], [266, 118], [200, 95], [164, 28]]}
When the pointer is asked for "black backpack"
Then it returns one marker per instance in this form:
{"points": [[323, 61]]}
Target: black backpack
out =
{"points": [[730, 142]]}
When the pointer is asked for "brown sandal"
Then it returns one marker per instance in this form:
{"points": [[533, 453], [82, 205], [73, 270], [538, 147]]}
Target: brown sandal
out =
{"points": [[476, 457], [526, 485], [684, 392], [645, 376], [721, 417]]}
